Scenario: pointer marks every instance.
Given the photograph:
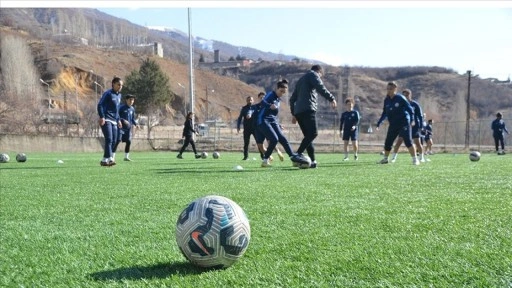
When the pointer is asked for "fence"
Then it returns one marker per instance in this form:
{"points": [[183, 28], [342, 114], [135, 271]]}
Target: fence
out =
{"points": [[447, 136]]}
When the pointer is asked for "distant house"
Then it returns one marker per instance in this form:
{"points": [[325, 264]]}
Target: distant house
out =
{"points": [[226, 68]]}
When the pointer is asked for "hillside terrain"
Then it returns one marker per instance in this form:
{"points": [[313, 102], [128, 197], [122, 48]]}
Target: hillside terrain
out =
{"points": [[74, 48]]}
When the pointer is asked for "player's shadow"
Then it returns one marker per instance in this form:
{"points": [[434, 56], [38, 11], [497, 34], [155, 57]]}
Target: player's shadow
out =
{"points": [[157, 271]]}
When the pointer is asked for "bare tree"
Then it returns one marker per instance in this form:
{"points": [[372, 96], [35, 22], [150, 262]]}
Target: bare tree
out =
{"points": [[23, 91]]}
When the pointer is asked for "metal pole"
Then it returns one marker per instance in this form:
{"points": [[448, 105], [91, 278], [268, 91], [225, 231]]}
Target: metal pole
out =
{"points": [[191, 62]]}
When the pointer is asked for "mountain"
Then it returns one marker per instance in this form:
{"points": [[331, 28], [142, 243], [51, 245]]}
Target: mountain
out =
{"points": [[86, 44]]}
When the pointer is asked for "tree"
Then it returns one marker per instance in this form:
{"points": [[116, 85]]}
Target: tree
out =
{"points": [[151, 87]]}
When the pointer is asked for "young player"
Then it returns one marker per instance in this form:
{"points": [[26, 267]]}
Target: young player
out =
{"points": [[267, 123], [108, 110], [498, 127], [349, 122], [127, 117], [258, 136], [416, 129], [400, 115], [428, 137]]}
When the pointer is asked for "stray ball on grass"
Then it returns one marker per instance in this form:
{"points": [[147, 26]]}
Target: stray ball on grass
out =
{"points": [[474, 156], [238, 168], [216, 155], [60, 162], [213, 232], [21, 157], [204, 155], [4, 158]]}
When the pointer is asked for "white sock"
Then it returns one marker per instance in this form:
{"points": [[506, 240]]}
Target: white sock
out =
{"points": [[394, 155], [127, 155], [113, 155], [346, 154]]}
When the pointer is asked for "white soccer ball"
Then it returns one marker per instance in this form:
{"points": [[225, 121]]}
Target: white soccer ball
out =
{"points": [[216, 155], [4, 158], [213, 232], [204, 155], [21, 157], [305, 165], [474, 156]]}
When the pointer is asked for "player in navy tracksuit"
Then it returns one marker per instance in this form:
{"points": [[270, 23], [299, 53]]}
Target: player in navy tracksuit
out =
{"points": [[268, 125], [349, 122], [428, 137], [416, 129], [498, 127], [258, 136], [400, 115], [127, 117], [108, 110], [246, 115]]}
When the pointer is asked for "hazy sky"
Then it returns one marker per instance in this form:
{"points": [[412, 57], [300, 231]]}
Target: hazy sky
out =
{"points": [[462, 35]]}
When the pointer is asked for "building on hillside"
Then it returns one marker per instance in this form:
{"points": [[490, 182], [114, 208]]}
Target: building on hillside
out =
{"points": [[226, 68]]}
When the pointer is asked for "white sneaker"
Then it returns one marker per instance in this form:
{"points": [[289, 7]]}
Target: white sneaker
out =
{"points": [[383, 161], [393, 160], [265, 163], [415, 161], [345, 159]]}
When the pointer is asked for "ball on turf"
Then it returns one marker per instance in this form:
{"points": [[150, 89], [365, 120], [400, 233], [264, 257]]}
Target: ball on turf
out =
{"points": [[474, 156], [216, 155], [305, 165], [4, 158], [21, 157], [213, 232], [204, 155]]}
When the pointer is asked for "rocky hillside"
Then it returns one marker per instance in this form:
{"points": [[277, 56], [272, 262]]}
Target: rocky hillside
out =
{"points": [[72, 61]]}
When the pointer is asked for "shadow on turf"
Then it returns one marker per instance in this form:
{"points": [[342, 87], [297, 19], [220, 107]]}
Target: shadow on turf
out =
{"points": [[159, 271]]}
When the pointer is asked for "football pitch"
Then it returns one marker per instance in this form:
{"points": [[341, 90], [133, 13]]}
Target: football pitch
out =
{"points": [[445, 223]]}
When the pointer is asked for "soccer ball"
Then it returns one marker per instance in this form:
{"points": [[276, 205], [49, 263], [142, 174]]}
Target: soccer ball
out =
{"points": [[305, 165], [21, 157], [474, 156], [213, 232], [216, 155], [4, 158], [204, 155]]}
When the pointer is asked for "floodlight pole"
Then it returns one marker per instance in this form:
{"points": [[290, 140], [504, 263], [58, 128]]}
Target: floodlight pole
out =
{"points": [[191, 62]]}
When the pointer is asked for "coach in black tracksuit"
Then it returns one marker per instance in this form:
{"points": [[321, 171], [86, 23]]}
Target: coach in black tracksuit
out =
{"points": [[246, 115], [188, 135], [303, 105]]}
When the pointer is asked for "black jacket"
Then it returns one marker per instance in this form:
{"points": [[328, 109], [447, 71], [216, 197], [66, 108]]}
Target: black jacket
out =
{"points": [[304, 97], [188, 129]]}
